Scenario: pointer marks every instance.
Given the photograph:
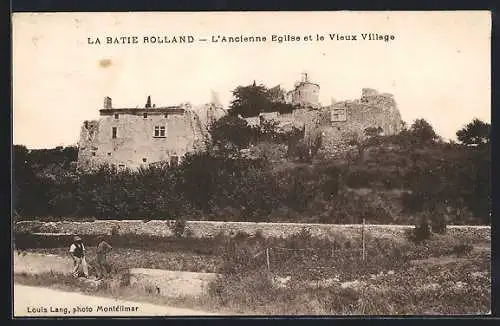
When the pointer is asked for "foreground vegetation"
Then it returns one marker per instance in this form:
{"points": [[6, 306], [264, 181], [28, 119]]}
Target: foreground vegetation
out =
{"points": [[440, 275], [436, 276]]}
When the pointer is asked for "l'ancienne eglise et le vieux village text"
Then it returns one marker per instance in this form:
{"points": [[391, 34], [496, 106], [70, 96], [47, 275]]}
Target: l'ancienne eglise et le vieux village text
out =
{"points": [[179, 39]]}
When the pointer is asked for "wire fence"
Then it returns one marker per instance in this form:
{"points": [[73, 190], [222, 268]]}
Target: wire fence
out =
{"points": [[282, 260]]}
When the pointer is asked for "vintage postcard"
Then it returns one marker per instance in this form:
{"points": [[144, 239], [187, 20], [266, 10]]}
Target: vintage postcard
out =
{"points": [[251, 163]]}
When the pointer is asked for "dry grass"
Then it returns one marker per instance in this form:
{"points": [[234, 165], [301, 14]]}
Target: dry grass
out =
{"points": [[397, 278]]}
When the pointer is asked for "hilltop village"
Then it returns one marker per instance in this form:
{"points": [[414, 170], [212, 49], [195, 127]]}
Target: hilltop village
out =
{"points": [[134, 137]]}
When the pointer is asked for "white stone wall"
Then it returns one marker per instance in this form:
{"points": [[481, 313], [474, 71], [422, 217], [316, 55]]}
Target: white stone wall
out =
{"points": [[86, 143], [204, 229], [135, 139]]}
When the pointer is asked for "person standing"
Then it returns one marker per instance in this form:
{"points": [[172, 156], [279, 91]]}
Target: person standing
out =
{"points": [[102, 263], [77, 251]]}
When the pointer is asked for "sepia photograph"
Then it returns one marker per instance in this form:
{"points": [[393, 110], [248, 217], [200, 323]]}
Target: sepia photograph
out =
{"points": [[332, 163]]}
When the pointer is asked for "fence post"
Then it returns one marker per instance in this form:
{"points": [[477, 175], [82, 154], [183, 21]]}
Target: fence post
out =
{"points": [[363, 238], [267, 259]]}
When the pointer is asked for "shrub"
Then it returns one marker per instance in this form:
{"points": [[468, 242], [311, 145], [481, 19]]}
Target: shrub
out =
{"points": [[249, 289], [125, 278], [462, 249], [420, 233], [438, 224], [178, 228], [259, 234]]}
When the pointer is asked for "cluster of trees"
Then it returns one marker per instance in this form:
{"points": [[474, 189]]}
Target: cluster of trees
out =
{"points": [[231, 134], [440, 179], [42, 178]]}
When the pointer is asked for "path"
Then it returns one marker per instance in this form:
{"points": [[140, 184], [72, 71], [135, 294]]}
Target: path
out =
{"points": [[35, 263], [30, 301]]}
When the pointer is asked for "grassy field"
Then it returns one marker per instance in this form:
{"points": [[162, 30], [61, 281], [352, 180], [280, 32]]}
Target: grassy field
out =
{"points": [[442, 275]]}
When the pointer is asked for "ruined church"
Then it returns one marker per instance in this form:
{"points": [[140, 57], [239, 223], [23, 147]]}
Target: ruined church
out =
{"points": [[337, 123]]}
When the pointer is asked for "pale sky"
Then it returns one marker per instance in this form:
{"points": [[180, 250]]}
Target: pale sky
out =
{"points": [[438, 66]]}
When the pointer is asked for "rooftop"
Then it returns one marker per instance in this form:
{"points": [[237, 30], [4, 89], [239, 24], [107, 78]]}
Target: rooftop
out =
{"points": [[163, 109]]}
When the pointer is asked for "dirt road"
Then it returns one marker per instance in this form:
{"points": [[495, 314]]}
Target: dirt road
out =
{"points": [[32, 301], [34, 263]]}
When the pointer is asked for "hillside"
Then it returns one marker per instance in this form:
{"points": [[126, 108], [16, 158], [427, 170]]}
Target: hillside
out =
{"points": [[384, 180]]}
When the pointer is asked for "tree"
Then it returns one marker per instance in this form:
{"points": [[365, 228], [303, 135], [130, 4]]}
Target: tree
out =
{"points": [[231, 133], [58, 155], [423, 131], [476, 133], [250, 100]]}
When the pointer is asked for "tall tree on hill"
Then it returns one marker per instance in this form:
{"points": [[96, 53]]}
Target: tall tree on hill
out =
{"points": [[423, 131], [250, 100], [476, 133]]}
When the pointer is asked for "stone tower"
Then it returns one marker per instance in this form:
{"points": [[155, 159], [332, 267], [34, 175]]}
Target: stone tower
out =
{"points": [[107, 103], [306, 93]]}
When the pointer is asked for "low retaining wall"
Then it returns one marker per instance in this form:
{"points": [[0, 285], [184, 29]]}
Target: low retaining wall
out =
{"points": [[206, 229], [172, 284]]}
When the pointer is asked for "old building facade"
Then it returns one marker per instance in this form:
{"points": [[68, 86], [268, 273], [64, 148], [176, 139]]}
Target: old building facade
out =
{"points": [[134, 137]]}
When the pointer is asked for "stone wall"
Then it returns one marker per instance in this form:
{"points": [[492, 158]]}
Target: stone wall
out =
{"points": [[370, 111], [87, 143], [342, 124], [208, 113], [206, 229], [135, 143], [286, 121]]}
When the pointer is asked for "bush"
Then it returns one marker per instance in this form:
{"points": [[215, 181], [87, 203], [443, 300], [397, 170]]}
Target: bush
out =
{"points": [[125, 278], [420, 233], [179, 227], [438, 224], [462, 249]]}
